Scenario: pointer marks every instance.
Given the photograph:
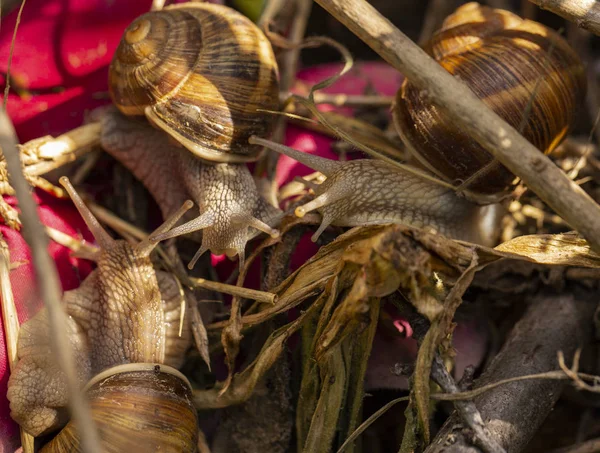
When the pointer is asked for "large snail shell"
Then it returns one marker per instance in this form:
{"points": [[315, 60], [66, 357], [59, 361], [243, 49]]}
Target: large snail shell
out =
{"points": [[146, 410], [199, 72], [522, 70]]}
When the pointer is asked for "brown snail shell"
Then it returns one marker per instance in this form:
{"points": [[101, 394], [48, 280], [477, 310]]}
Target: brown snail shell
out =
{"points": [[199, 72], [137, 407], [522, 70]]}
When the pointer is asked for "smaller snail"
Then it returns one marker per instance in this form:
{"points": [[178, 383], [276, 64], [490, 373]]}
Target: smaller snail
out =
{"points": [[200, 73], [123, 324], [522, 70], [372, 192]]}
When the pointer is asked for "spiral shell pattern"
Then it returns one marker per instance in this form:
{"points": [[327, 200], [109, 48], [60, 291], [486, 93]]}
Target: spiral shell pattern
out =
{"points": [[201, 72], [522, 70], [145, 410]]}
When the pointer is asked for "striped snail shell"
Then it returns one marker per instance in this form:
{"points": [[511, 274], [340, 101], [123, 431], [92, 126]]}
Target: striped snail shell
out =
{"points": [[199, 72], [137, 407], [521, 69]]}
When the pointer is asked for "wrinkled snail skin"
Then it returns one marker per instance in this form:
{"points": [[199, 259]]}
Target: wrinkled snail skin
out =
{"points": [[123, 313], [373, 192], [230, 207], [524, 71], [199, 73]]}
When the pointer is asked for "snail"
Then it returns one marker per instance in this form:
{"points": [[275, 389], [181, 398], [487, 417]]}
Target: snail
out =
{"points": [[371, 192], [525, 72], [198, 73], [123, 324]]}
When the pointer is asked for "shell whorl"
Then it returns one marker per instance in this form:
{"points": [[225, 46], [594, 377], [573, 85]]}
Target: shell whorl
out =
{"points": [[137, 408], [522, 70], [199, 72]]}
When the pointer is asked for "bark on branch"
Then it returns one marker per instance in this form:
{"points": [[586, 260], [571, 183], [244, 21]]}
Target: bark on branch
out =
{"points": [[514, 412], [584, 13]]}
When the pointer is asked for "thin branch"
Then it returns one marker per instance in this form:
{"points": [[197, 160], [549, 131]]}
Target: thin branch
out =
{"points": [[46, 275], [549, 375], [466, 408], [353, 100], [584, 13], [252, 294], [63, 149], [470, 113]]}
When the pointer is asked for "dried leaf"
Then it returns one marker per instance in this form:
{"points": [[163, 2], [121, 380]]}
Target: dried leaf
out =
{"points": [[242, 385], [358, 368], [438, 330], [567, 249], [323, 427]]}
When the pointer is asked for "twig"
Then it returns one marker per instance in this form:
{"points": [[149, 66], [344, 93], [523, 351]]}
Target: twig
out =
{"points": [[467, 409], [75, 245], [157, 5], [289, 67], [575, 376], [88, 164], [513, 412], [260, 296], [65, 148], [469, 113], [354, 100], [269, 12], [290, 59], [115, 222], [46, 276], [584, 13], [558, 375], [369, 421]]}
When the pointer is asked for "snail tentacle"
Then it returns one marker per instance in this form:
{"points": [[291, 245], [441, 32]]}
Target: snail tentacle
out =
{"points": [[205, 220]]}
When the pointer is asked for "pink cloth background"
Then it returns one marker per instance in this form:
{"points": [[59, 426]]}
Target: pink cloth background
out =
{"points": [[59, 74]]}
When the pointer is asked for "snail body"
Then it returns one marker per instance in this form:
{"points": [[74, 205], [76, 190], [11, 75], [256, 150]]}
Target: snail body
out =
{"points": [[524, 71], [120, 315], [231, 210], [372, 192], [199, 73]]}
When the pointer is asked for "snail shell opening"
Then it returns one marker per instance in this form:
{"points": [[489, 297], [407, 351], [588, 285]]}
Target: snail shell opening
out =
{"points": [[522, 70], [199, 72]]}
